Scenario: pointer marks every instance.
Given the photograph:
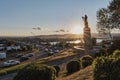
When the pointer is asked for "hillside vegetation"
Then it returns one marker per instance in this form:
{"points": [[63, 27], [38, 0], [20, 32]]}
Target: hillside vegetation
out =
{"points": [[83, 74]]}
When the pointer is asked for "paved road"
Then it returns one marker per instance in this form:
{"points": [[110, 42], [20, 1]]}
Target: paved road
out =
{"points": [[61, 62]]}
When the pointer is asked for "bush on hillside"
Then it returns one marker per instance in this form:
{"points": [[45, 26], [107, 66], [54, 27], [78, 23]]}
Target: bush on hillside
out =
{"points": [[57, 68], [86, 61], [73, 66], [106, 68], [116, 53], [35, 71], [77, 59]]}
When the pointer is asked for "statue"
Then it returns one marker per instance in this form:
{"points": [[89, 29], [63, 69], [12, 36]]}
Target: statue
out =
{"points": [[85, 18], [85, 21], [87, 35]]}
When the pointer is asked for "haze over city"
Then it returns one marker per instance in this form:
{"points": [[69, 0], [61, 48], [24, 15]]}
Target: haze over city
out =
{"points": [[45, 17]]}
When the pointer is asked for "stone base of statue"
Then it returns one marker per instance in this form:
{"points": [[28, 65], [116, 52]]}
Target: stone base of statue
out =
{"points": [[87, 38]]}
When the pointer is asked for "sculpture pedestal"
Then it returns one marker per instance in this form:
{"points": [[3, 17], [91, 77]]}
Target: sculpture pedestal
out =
{"points": [[87, 38]]}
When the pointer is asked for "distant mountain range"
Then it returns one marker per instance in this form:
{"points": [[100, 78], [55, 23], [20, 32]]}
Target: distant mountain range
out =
{"points": [[59, 36], [62, 36], [70, 35]]}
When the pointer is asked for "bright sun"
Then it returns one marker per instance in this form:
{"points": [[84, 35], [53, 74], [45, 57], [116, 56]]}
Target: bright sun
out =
{"points": [[77, 30]]}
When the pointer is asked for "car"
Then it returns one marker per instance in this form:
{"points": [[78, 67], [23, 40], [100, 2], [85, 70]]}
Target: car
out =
{"points": [[29, 55], [11, 62], [23, 58], [19, 55]]}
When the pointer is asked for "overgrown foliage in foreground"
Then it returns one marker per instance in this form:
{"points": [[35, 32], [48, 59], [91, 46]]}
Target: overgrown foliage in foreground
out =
{"points": [[35, 71], [77, 63], [107, 68]]}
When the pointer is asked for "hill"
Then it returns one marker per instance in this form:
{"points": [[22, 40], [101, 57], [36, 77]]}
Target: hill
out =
{"points": [[83, 74]]}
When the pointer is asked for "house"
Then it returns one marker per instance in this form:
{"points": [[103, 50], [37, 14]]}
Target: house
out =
{"points": [[2, 48], [13, 47], [1, 44]]}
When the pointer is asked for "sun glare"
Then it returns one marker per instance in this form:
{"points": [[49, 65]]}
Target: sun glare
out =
{"points": [[77, 30]]}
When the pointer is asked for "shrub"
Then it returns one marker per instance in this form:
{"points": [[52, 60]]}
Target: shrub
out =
{"points": [[57, 68], [35, 71], [77, 59], [86, 61], [73, 66], [116, 53], [106, 68]]}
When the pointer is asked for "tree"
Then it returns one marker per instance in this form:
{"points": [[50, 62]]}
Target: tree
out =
{"points": [[103, 24], [114, 9], [108, 19]]}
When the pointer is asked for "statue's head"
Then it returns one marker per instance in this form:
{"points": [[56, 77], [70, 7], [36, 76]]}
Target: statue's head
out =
{"points": [[84, 18], [85, 21]]}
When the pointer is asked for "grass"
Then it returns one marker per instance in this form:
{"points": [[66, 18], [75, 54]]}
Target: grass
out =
{"points": [[7, 70], [83, 74]]}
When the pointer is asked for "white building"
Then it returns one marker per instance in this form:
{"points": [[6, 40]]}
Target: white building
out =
{"points": [[1, 47], [1, 44], [13, 47]]}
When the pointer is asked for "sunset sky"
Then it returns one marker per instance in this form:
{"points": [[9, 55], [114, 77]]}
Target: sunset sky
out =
{"points": [[43, 17]]}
